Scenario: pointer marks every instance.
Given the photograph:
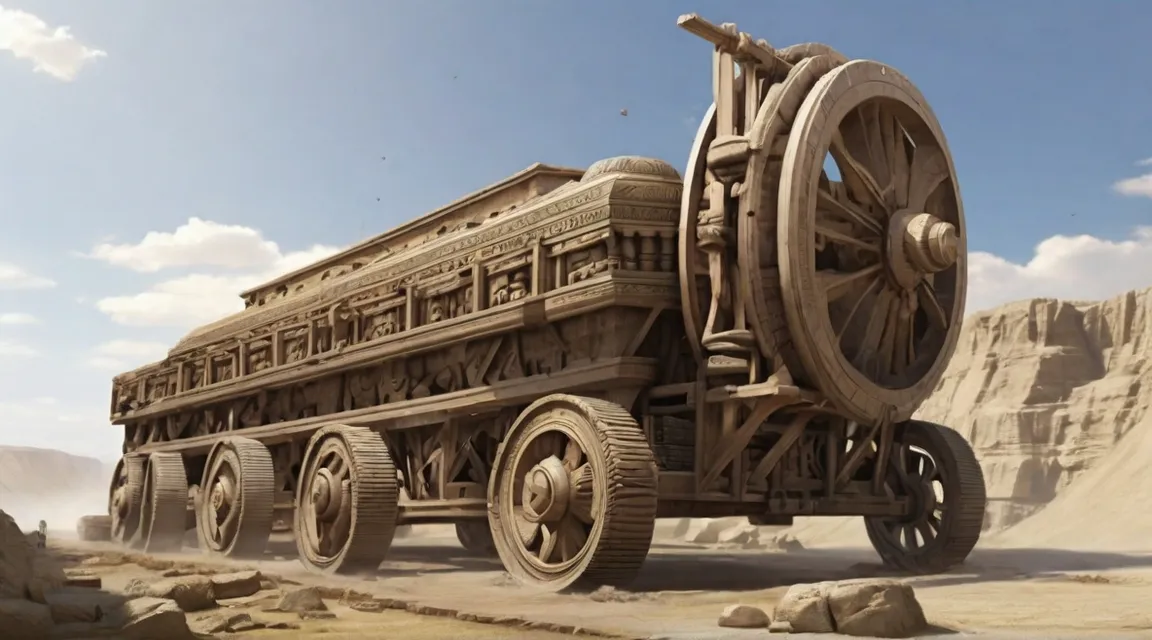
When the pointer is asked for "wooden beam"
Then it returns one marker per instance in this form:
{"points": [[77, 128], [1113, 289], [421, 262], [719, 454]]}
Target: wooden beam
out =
{"points": [[725, 451], [788, 438]]}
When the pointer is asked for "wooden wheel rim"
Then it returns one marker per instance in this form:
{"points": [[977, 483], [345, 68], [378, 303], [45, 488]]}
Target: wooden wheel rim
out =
{"points": [[223, 501], [325, 502], [756, 223], [125, 496], [806, 304], [936, 467], [692, 297], [366, 484], [546, 428]]}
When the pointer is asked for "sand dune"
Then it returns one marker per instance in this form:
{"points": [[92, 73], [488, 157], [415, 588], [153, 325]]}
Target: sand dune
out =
{"points": [[1106, 509]]}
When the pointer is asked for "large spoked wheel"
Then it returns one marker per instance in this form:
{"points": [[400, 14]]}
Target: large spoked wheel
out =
{"points": [[757, 223], [936, 468], [165, 504], [347, 501], [572, 501], [234, 514], [125, 497], [873, 268], [476, 538]]}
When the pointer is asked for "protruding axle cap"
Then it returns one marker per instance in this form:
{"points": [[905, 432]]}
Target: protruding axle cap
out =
{"points": [[930, 243]]}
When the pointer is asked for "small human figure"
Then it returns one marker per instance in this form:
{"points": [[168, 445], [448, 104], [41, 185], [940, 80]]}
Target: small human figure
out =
{"points": [[42, 535]]}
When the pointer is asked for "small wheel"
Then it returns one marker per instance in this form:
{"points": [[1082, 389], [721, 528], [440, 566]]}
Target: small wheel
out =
{"points": [[347, 501], [164, 510], [572, 501], [476, 538], [234, 510], [937, 468], [125, 496]]}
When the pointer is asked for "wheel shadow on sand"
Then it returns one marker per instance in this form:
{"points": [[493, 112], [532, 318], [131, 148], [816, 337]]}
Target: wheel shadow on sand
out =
{"points": [[682, 569]]}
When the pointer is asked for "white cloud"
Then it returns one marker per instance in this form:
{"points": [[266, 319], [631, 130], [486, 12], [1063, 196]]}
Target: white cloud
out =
{"points": [[14, 277], [197, 243], [1066, 267], [17, 350], [198, 298], [123, 355], [54, 51], [1145, 162], [17, 318], [1140, 186]]}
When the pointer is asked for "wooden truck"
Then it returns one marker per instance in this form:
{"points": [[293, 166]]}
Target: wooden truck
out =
{"points": [[554, 362]]}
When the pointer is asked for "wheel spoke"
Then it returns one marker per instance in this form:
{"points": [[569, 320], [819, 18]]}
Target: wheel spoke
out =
{"points": [[910, 537], [844, 238], [572, 536], [856, 176], [573, 455], [342, 525], [865, 293], [937, 317], [526, 529], [903, 350], [871, 136], [869, 343], [836, 284], [548, 540], [888, 338], [829, 204], [580, 502], [929, 170], [899, 166]]}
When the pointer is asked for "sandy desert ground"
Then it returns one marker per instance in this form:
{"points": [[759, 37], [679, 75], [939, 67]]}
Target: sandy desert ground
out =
{"points": [[1001, 593], [1054, 397]]}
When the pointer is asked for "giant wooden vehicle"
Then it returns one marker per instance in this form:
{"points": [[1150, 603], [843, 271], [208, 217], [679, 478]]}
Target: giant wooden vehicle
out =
{"points": [[555, 361]]}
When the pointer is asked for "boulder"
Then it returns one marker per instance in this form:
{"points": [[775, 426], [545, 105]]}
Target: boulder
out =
{"points": [[743, 616], [302, 600], [236, 585], [22, 619], [153, 618], [744, 534], [70, 605], [225, 621], [805, 608], [707, 530], [876, 608], [16, 558], [47, 576], [191, 593], [787, 542]]}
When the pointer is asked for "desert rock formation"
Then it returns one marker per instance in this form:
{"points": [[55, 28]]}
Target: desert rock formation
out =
{"points": [[42, 484], [1045, 390]]}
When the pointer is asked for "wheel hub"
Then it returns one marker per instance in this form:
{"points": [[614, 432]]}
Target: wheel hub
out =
{"points": [[919, 244], [923, 499], [325, 494], [546, 491], [221, 494]]}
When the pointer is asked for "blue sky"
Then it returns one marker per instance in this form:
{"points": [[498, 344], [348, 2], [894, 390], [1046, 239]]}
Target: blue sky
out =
{"points": [[267, 122]]}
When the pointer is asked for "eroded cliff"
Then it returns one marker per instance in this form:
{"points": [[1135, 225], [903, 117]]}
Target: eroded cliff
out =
{"points": [[1043, 389]]}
